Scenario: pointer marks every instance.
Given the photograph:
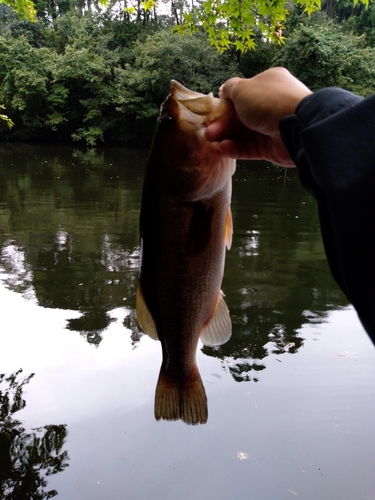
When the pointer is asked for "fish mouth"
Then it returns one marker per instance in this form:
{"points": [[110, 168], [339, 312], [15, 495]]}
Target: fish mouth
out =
{"points": [[193, 109], [184, 117]]}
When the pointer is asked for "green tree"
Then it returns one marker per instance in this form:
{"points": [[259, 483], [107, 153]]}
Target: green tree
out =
{"points": [[145, 81], [4, 119], [234, 23], [358, 20], [65, 89], [321, 54], [255, 61], [24, 73], [89, 76], [91, 83], [24, 8]]}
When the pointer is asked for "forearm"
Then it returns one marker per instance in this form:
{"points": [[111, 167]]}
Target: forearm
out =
{"points": [[324, 135], [331, 139]]}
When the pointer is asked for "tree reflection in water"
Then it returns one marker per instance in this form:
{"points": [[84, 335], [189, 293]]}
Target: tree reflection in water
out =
{"points": [[26, 458], [70, 230], [276, 275], [70, 240]]}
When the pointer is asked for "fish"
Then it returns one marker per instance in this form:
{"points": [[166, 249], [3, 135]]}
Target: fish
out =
{"points": [[185, 228]]}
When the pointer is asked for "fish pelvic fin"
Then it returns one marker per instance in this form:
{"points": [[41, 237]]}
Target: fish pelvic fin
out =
{"points": [[218, 330], [144, 317], [181, 399], [228, 229]]}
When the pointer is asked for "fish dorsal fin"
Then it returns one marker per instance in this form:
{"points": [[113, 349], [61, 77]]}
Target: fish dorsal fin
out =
{"points": [[219, 329], [228, 229], [145, 320]]}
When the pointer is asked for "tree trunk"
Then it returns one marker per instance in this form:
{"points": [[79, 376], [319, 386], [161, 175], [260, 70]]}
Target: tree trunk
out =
{"points": [[330, 7]]}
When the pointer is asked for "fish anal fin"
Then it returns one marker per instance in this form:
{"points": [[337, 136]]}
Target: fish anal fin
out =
{"points": [[181, 399], [218, 329], [228, 228], [144, 317]]}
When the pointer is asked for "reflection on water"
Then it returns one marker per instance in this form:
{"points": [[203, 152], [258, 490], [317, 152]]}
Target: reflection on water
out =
{"points": [[69, 240], [69, 249], [276, 273], [26, 458], [70, 231]]}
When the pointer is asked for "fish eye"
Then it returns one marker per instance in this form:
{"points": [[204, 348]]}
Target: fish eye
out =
{"points": [[167, 120]]}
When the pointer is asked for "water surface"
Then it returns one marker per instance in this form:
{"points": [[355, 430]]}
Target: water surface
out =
{"points": [[291, 395]]}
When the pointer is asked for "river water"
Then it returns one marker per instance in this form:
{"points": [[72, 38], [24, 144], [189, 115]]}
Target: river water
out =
{"points": [[291, 396]]}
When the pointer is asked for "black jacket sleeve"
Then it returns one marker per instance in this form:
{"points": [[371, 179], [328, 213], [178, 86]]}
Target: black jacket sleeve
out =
{"points": [[331, 139]]}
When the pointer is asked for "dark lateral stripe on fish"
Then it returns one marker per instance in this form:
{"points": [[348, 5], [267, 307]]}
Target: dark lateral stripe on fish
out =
{"points": [[200, 229]]}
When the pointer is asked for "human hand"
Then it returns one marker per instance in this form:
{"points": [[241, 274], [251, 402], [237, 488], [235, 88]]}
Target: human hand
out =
{"points": [[260, 103]]}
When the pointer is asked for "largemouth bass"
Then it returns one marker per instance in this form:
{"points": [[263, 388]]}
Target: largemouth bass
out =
{"points": [[185, 225]]}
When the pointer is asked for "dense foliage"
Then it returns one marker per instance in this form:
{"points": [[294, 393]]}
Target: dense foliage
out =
{"points": [[322, 54], [95, 78], [87, 73]]}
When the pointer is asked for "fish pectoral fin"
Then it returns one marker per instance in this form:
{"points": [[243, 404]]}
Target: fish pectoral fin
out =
{"points": [[228, 229], [145, 320], [219, 328]]}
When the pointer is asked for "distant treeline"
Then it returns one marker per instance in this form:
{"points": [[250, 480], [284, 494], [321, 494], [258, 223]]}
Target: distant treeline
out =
{"points": [[95, 74]]}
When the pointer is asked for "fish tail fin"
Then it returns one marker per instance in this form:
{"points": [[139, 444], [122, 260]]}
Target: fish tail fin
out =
{"points": [[177, 399]]}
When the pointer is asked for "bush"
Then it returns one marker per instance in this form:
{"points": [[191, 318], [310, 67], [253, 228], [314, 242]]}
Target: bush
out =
{"points": [[143, 84], [321, 54], [81, 88]]}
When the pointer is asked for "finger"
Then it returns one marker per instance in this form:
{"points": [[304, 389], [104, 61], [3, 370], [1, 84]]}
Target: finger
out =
{"points": [[226, 90], [216, 131], [214, 148], [219, 130], [237, 150]]}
